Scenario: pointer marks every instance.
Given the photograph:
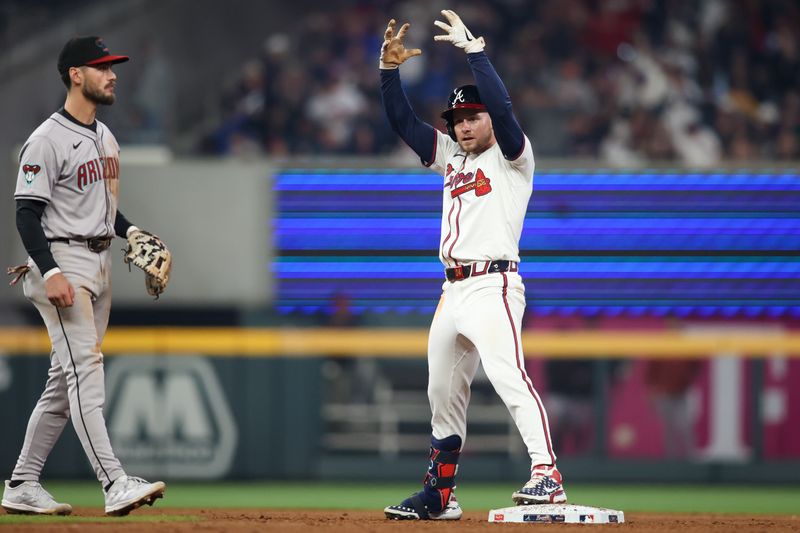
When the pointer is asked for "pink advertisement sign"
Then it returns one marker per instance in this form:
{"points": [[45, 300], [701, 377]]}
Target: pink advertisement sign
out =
{"points": [[696, 409]]}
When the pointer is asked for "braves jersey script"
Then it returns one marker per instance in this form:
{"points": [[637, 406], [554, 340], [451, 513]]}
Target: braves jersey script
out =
{"points": [[485, 199], [75, 171]]}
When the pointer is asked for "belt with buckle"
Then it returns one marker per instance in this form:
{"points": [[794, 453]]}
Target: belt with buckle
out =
{"points": [[478, 269], [94, 244]]}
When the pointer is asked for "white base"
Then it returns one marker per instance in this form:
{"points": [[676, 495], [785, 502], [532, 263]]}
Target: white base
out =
{"points": [[557, 513]]}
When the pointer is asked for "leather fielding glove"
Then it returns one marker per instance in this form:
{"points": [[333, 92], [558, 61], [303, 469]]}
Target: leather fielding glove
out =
{"points": [[393, 52], [458, 34], [18, 272], [149, 253]]}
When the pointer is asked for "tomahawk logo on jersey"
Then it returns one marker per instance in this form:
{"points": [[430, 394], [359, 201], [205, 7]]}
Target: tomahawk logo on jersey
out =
{"points": [[481, 185]]}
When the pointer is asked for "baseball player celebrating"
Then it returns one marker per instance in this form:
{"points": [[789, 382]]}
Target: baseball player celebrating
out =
{"points": [[66, 214], [487, 164]]}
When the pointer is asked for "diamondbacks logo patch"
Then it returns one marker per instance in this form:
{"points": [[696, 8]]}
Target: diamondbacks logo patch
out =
{"points": [[30, 172]]}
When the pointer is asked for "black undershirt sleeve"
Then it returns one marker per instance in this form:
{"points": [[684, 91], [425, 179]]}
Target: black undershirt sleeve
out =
{"points": [[29, 226], [121, 225]]}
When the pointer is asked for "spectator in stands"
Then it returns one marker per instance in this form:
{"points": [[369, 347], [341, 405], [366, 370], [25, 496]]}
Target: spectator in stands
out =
{"points": [[571, 386], [669, 383], [334, 108], [601, 79], [350, 379]]}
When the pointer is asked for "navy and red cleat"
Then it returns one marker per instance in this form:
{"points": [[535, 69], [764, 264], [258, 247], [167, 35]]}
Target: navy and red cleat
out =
{"points": [[415, 509], [545, 486], [436, 500]]}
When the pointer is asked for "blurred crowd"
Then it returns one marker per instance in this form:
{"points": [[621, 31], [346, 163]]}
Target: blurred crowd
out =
{"points": [[20, 18], [629, 81]]}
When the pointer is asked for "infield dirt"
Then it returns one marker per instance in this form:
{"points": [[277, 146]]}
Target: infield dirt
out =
{"points": [[374, 521]]}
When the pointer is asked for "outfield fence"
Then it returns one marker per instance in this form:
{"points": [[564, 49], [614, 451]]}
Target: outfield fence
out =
{"points": [[324, 403]]}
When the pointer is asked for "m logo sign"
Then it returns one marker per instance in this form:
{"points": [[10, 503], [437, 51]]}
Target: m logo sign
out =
{"points": [[168, 417]]}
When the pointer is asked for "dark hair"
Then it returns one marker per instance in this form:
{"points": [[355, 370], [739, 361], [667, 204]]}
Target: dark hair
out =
{"points": [[66, 79]]}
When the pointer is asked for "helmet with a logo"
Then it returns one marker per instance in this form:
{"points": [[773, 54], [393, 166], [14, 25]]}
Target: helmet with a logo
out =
{"points": [[464, 97]]}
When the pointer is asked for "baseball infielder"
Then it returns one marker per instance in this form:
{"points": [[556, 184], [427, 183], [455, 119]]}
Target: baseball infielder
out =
{"points": [[66, 197], [487, 164]]}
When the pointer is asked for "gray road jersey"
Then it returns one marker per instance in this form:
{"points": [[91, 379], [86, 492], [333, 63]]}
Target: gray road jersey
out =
{"points": [[75, 171]]}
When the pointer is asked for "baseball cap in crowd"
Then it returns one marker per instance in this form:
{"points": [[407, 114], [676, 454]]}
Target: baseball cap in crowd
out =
{"points": [[82, 51]]}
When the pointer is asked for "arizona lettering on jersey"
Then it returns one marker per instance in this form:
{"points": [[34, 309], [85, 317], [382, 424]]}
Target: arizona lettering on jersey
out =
{"points": [[106, 168], [485, 198], [75, 171]]}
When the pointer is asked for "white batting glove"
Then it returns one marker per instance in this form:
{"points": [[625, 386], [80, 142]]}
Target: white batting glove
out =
{"points": [[458, 33]]}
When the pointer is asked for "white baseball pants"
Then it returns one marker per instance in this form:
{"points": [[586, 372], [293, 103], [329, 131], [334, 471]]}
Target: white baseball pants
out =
{"points": [[478, 321]]}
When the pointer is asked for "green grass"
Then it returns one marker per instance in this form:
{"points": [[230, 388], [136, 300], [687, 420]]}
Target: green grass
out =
{"points": [[473, 496]]}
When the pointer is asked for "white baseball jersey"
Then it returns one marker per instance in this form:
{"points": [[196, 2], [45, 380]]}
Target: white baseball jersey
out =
{"points": [[485, 199], [75, 171]]}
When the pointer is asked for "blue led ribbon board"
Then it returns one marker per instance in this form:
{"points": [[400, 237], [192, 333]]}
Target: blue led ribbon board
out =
{"points": [[600, 242]]}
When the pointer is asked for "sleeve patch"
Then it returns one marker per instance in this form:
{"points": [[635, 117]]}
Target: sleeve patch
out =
{"points": [[30, 170]]}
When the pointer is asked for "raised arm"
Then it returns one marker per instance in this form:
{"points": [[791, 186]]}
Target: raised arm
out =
{"points": [[419, 135], [493, 93]]}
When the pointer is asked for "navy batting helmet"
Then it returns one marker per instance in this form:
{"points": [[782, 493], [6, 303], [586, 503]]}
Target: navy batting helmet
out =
{"points": [[464, 97]]}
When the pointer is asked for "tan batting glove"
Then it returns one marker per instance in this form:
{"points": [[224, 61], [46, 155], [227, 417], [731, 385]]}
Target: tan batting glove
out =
{"points": [[458, 34], [393, 52]]}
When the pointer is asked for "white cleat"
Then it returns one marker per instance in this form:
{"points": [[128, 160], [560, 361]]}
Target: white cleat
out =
{"points": [[30, 498], [451, 512], [128, 493]]}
